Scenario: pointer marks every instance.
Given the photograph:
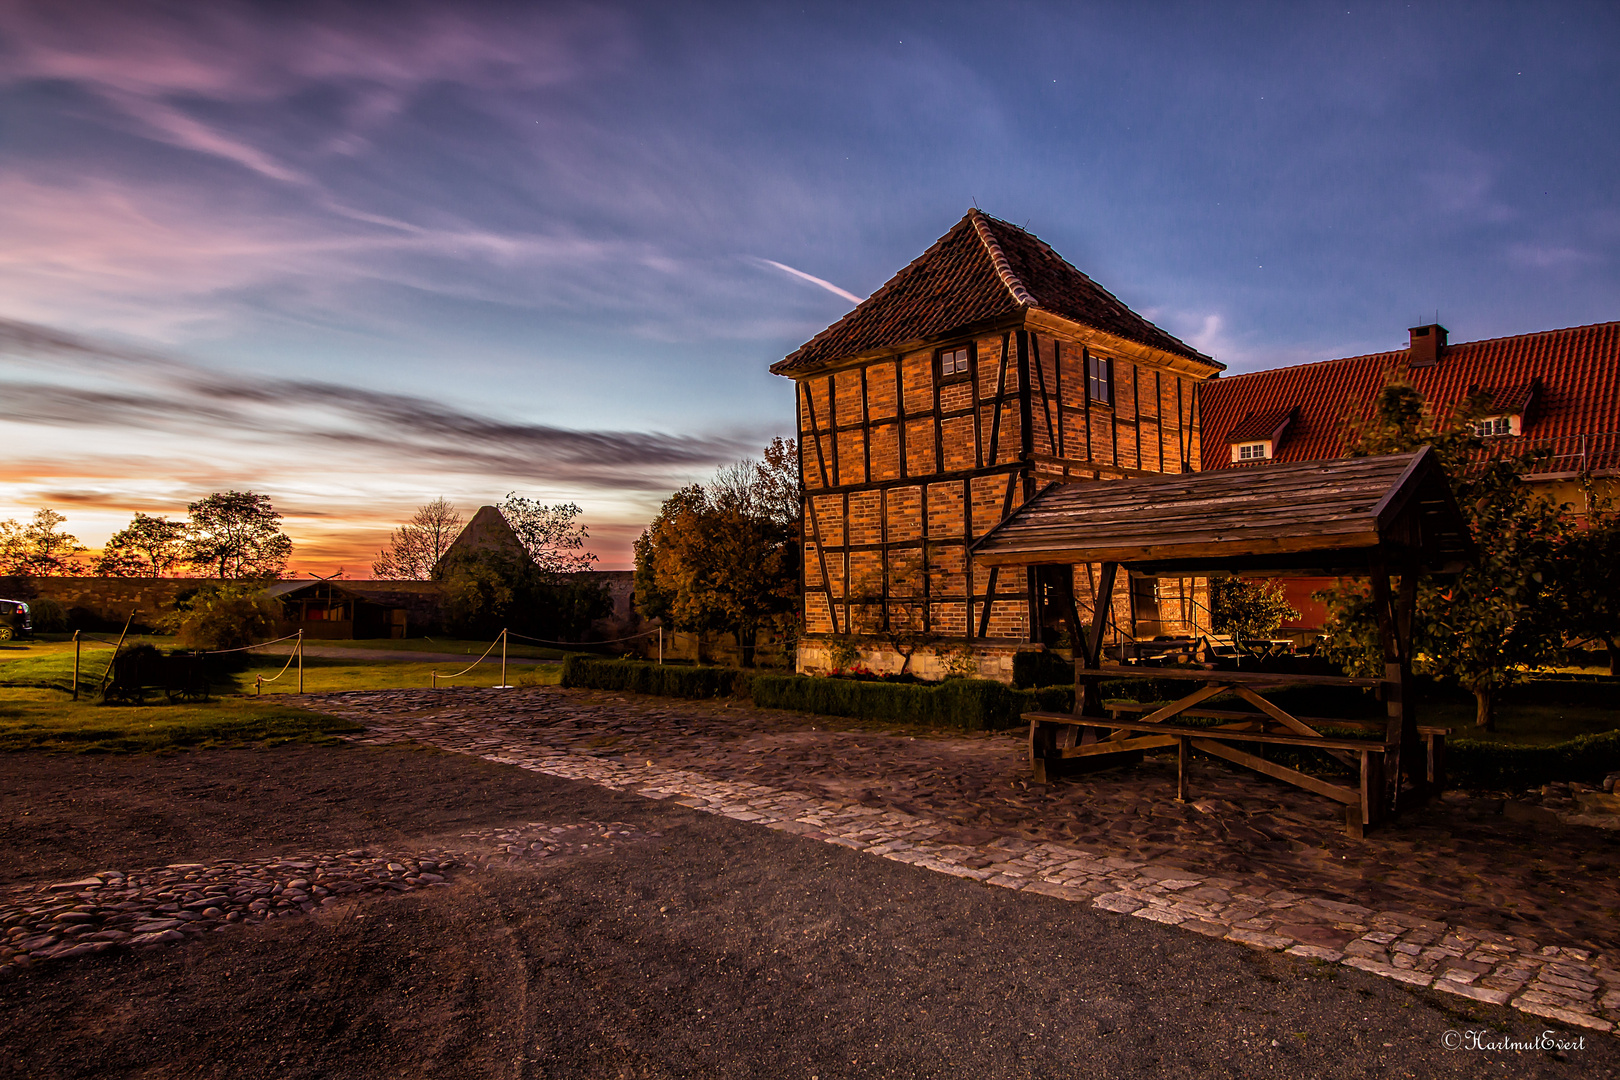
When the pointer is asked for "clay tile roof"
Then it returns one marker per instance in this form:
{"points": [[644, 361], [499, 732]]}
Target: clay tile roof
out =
{"points": [[1571, 376], [1261, 425], [983, 269], [1511, 400]]}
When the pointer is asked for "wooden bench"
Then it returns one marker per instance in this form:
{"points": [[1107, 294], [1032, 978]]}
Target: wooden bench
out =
{"points": [[1367, 756], [1434, 738]]}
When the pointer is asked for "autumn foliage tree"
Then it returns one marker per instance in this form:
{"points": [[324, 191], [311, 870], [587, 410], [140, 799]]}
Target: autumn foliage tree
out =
{"points": [[726, 557]]}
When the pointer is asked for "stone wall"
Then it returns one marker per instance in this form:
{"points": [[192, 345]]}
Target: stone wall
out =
{"points": [[97, 603]]}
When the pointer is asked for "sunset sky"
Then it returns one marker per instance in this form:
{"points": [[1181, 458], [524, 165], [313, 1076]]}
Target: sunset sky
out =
{"points": [[356, 256]]}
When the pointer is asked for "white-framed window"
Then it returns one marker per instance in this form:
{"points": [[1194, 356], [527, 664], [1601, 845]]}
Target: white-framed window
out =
{"points": [[1100, 378], [1251, 451], [1495, 425], [955, 362]]}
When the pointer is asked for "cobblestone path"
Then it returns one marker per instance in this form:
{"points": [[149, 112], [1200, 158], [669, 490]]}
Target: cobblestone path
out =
{"points": [[166, 905], [1397, 904]]}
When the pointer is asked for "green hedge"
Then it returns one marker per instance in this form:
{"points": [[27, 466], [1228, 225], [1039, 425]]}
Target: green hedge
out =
{"points": [[1488, 766], [643, 677]]}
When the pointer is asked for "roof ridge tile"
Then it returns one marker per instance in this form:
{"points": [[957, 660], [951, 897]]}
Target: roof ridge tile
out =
{"points": [[998, 259]]}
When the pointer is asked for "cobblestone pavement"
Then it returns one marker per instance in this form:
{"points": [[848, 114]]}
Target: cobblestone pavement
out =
{"points": [[1249, 861], [166, 905]]}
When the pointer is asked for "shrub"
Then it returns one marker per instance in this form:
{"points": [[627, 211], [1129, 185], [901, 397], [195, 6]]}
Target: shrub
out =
{"points": [[227, 615], [1032, 668], [49, 616]]}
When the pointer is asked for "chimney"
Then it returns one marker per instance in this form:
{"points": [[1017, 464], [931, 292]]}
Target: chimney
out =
{"points": [[1428, 345]]}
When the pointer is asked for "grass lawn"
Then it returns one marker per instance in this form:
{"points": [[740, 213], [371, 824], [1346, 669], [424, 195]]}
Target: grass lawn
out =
{"points": [[456, 646], [36, 719], [49, 665]]}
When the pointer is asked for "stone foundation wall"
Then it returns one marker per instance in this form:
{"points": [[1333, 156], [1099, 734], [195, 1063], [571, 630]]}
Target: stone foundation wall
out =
{"points": [[994, 659]]}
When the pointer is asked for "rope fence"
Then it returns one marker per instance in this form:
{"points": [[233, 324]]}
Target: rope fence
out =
{"points": [[501, 641], [297, 654]]}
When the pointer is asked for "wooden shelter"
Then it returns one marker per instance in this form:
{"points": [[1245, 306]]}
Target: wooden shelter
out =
{"points": [[1388, 519]]}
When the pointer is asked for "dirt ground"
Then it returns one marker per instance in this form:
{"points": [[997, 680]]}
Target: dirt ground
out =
{"points": [[716, 949]]}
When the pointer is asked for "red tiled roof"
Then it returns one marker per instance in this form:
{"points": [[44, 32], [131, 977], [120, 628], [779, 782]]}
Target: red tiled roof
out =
{"points": [[1510, 400], [982, 270], [1578, 395], [1260, 425]]}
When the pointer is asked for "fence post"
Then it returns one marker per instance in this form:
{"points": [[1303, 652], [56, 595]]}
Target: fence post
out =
{"points": [[75, 665], [660, 644], [503, 659], [300, 661]]}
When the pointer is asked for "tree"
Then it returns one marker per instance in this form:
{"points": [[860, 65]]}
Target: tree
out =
{"points": [[541, 591], [1248, 609], [148, 547], [237, 534], [550, 534], [11, 548], [726, 557], [1588, 579], [39, 548], [488, 591], [1496, 619], [416, 547]]}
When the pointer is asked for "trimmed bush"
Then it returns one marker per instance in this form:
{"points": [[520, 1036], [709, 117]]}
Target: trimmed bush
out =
{"points": [[968, 704], [1488, 766], [644, 677]]}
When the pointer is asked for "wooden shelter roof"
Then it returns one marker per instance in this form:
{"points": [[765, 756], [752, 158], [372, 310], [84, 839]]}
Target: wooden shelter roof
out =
{"points": [[1314, 517]]}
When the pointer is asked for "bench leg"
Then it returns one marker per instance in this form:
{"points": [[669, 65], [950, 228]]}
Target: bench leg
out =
{"points": [[1181, 770]]}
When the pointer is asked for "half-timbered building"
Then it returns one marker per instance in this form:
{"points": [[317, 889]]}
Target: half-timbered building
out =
{"points": [[986, 370]]}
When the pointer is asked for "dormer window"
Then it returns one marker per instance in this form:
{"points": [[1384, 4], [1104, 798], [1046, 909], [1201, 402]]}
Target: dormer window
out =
{"points": [[1100, 379], [954, 363], [1257, 436], [1493, 426]]}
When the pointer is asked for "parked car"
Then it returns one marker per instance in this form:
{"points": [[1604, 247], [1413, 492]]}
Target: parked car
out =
{"points": [[15, 621]]}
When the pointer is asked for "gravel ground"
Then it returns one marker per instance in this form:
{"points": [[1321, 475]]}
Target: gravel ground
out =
{"points": [[714, 948]]}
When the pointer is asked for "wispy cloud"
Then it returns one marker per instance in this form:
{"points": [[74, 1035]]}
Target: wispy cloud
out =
{"points": [[139, 391]]}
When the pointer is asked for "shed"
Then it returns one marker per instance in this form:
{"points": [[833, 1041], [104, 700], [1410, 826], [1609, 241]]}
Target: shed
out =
{"points": [[325, 609]]}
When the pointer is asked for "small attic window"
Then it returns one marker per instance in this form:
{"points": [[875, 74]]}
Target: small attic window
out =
{"points": [[1251, 451], [1100, 379], [1493, 426], [955, 363]]}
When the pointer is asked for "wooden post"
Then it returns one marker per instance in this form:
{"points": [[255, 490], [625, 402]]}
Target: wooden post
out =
{"points": [[1396, 690], [300, 644], [75, 665], [660, 644], [120, 645], [1181, 769]]}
